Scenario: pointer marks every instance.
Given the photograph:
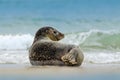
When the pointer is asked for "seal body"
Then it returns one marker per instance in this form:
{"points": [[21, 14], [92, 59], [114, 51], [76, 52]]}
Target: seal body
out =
{"points": [[46, 50]]}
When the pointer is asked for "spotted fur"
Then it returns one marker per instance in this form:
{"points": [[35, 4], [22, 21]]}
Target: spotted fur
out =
{"points": [[46, 50]]}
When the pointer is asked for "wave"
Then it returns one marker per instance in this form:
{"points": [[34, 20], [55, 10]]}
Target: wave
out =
{"points": [[21, 57], [102, 57], [15, 42], [95, 40], [14, 57], [91, 40]]}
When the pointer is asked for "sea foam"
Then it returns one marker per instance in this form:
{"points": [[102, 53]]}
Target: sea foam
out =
{"points": [[15, 42]]}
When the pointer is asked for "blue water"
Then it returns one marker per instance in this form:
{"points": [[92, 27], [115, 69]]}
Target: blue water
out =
{"points": [[60, 8], [26, 16]]}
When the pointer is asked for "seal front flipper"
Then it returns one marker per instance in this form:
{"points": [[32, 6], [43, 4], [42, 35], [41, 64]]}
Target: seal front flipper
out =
{"points": [[69, 59], [74, 57]]}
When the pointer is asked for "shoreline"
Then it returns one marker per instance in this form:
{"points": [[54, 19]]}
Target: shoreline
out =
{"points": [[84, 72], [51, 70]]}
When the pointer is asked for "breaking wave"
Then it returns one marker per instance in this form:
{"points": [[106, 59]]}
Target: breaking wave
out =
{"points": [[91, 40], [15, 42], [95, 40]]}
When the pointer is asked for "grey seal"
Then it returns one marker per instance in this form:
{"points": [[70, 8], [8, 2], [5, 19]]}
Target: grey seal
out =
{"points": [[46, 50]]}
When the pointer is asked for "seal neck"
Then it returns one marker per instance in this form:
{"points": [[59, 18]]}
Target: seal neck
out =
{"points": [[40, 38]]}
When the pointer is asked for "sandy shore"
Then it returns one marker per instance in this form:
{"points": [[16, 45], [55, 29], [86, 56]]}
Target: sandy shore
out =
{"points": [[52, 70], [84, 72]]}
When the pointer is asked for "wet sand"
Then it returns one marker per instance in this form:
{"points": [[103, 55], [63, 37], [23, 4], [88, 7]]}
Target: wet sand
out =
{"points": [[63, 70], [84, 72]]}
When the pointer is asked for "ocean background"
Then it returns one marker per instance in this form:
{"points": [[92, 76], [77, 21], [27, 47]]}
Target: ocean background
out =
{"points": [[94, 25]]}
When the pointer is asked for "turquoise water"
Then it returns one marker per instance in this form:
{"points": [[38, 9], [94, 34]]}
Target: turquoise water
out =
{"points": [[25, 25], [26, 16]]}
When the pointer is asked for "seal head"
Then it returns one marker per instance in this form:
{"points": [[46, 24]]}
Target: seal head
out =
{"points": [[48, 32]]}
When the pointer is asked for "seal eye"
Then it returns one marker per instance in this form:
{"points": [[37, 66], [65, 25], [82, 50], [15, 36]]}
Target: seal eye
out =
{"points": [[54, 32]]}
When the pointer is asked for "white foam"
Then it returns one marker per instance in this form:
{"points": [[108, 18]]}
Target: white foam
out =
{"points": [[15, 42], [14, 57], [102, 57]]}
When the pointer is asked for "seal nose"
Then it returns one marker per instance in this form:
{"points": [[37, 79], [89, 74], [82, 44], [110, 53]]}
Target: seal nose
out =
{"points": [[61, 35]]}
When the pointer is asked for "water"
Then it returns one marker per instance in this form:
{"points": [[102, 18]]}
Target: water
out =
{"points": [[98, 46], [97, 33]]}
